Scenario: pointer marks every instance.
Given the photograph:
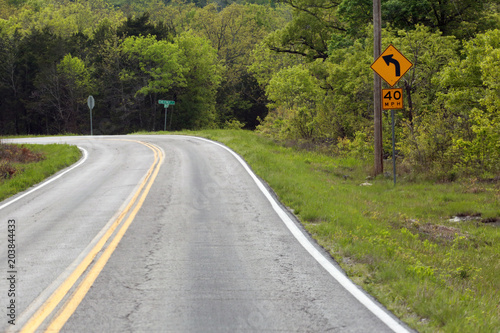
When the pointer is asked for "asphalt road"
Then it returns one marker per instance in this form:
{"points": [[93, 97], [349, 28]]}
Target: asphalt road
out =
{"points": [[168, 234]]}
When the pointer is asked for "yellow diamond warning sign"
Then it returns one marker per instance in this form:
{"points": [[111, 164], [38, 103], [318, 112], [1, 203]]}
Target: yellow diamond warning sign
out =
{"points": [[391, 65], [392, 99]]}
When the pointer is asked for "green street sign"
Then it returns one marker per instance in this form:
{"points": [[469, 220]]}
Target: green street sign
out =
{"points": [[161, 101]]}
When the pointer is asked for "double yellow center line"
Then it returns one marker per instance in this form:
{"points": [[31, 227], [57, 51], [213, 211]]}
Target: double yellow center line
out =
{"points": [[126, 216]]}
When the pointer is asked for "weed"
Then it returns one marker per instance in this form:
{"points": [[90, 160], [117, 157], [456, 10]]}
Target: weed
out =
{"points": [[7, 170]]}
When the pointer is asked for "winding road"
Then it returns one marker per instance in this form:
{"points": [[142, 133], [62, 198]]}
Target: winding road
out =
{"points": [[168, 234]]}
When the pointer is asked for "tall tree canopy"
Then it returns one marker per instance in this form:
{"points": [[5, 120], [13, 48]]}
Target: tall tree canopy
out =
{"points": [[297, 69]]}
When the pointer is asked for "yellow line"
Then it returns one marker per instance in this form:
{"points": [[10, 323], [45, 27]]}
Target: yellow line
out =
{"points": [[70, 307], [51, 303]]}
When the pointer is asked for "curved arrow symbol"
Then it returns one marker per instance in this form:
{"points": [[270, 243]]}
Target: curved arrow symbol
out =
{"points": [[388, 59]]}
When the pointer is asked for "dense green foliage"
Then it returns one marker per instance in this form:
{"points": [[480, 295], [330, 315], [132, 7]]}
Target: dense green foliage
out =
{"points": [[128, 56], [295, 69]]}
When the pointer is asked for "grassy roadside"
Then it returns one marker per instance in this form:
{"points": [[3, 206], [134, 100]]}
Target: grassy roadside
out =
{"points": [[26, 173], [398, 243]]}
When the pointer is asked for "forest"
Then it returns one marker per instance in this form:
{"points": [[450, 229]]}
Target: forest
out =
{"points": [[296, 70]]}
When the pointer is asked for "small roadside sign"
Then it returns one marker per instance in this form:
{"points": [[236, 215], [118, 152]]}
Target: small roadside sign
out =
{"points": [[392, 99], [391, 65], [166, 103], [91, 102]]}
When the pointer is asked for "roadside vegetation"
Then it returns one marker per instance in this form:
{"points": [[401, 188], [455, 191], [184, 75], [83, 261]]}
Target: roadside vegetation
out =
{"points": [[22, 166], [430, 252]]}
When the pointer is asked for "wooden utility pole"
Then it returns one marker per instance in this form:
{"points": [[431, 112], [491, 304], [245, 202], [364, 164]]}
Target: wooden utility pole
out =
{"points": [[377, 86]]}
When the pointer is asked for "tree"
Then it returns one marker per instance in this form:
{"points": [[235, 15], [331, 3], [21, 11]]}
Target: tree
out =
{"points": [[355, 14], [196, 98], [471, 90], [158, 60], [308, 33], [186, 70], [27, 55], [63, 90], [461, 18], [63, 18], [234, 32], [429, 52], [142, 26], [295, 95], [114, 112], [265, 63], [10, 84], [153, 68], [348, 83]]}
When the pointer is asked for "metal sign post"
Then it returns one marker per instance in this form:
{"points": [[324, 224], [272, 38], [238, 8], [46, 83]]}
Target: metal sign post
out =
{"points": [[166, 104], [165, 125], [393, 99], [393, 148], [91, 104]]}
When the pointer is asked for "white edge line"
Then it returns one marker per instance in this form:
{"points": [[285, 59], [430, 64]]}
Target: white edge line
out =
{"points": [[39, 186], [330, 268]]}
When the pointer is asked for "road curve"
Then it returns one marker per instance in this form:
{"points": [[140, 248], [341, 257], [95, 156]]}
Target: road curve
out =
{"points": [[204, 250]]}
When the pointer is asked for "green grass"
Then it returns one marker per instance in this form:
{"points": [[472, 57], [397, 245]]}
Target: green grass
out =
{"points": [[395, 241], [56, 157]]}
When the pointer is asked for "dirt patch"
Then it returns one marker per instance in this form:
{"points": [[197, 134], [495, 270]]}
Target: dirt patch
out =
{"points": [[492, 221], [7, 170], [441, 231], [436, 232], [463, 217]]}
